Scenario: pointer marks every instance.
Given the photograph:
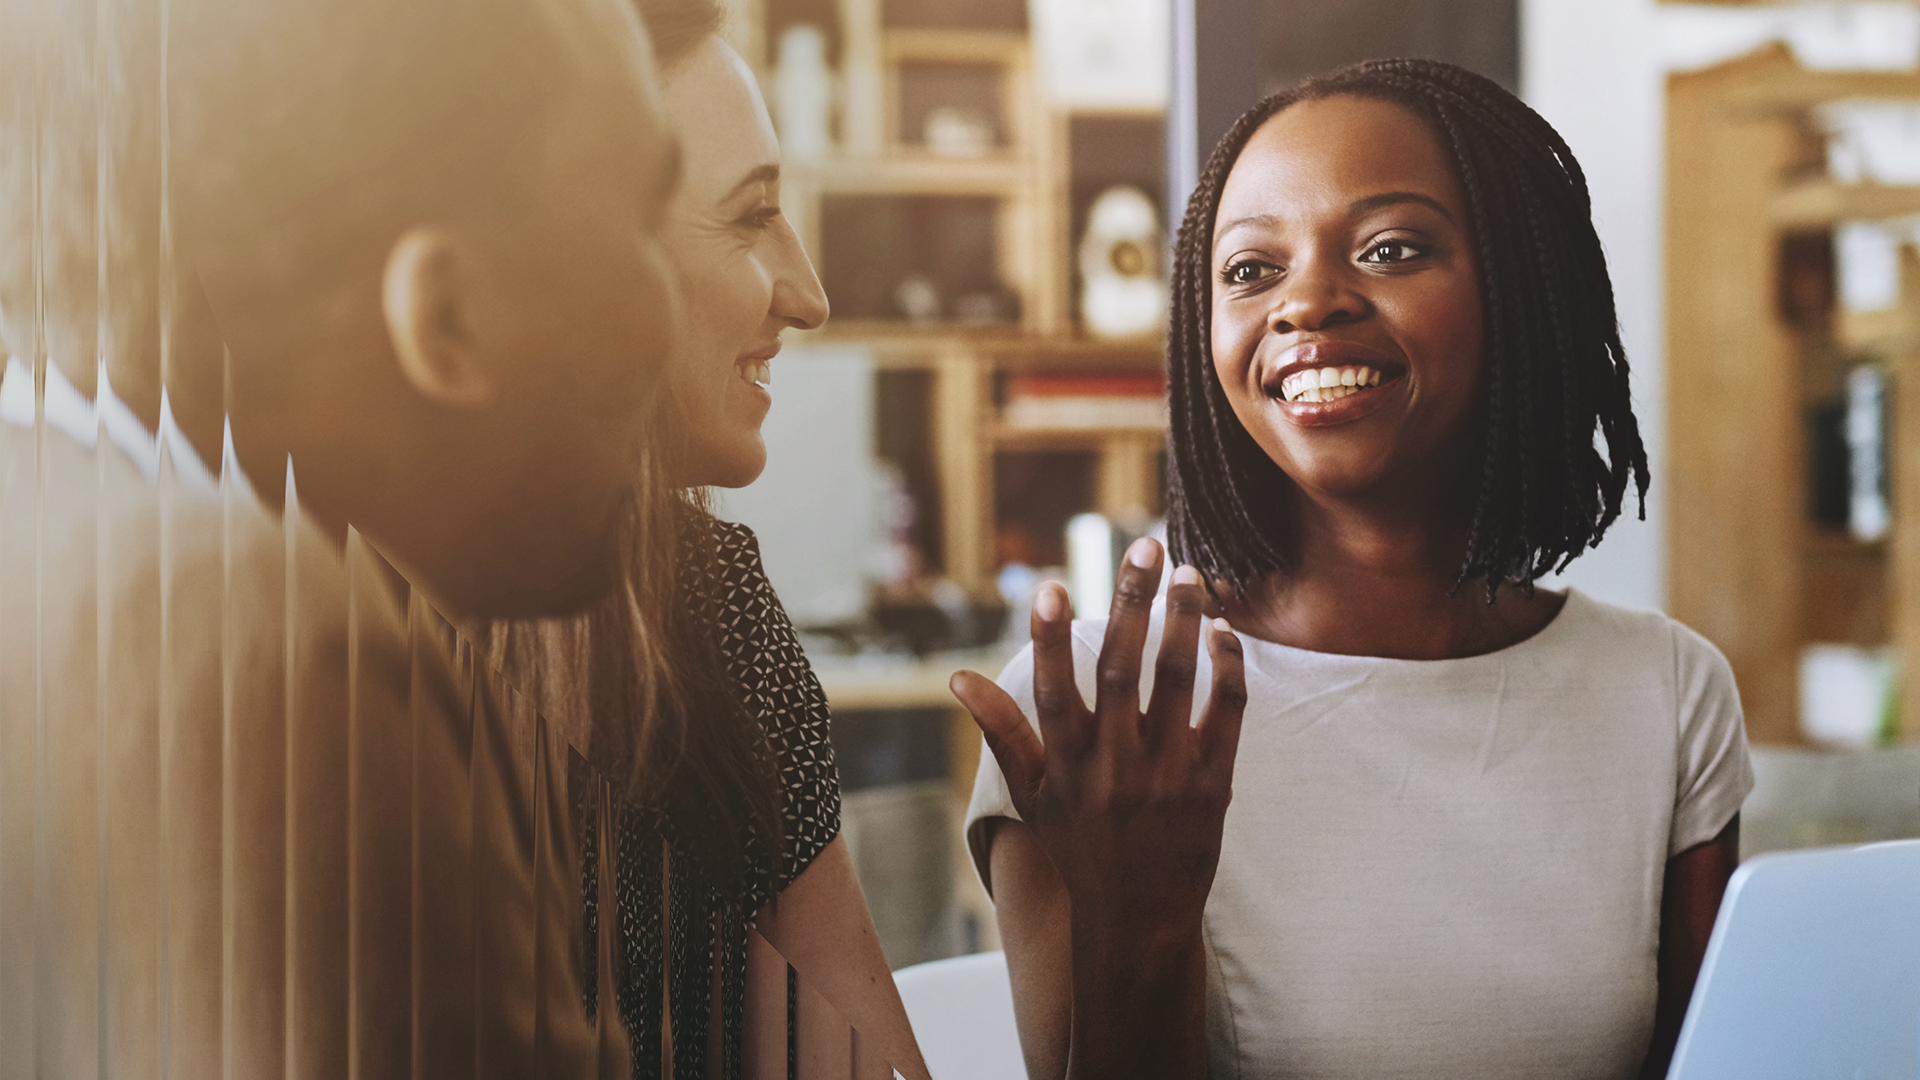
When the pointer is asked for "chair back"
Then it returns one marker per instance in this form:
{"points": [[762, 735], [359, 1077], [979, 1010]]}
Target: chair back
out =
{"points": [[962, 1014]]}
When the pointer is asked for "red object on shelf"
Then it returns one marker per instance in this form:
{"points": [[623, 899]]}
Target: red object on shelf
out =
{"points": [[1132, 400]]}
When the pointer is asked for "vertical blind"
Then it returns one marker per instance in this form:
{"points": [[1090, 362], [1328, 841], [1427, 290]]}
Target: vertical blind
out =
{"points": [[264, 811]]}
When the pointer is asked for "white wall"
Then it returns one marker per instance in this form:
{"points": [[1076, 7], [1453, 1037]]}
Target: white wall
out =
{"points": [[1594, 69], [813, 509]]}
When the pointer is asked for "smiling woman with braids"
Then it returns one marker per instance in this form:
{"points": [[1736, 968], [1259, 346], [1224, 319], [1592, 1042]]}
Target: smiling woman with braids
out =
{"points": [[1477, 828]]}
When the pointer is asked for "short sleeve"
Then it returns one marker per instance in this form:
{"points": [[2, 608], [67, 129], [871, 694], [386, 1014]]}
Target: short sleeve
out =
{"points": [[777, 684], [1714, 771]]}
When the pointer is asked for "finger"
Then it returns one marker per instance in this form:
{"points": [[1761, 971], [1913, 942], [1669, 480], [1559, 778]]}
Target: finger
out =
{"points": [[1018, 750], [1056, 696], [1117, 687], [1226, 698], [1173, 672]]}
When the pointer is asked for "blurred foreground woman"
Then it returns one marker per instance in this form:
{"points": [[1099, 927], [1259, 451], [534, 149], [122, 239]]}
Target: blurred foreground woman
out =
{"points": [[1478, 829], [398, 270], [720, 807]]}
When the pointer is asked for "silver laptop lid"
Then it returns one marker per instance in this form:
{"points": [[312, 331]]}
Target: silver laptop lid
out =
{"points": [[1813, 971]]}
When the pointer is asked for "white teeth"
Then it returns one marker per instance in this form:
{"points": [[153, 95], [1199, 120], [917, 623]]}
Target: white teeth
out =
{"points": [[1328, 383], [1326, 393], [757, 372]]}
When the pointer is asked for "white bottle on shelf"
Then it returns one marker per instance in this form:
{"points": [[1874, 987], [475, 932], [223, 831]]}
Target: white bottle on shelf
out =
{"points": [[1868, 515]]}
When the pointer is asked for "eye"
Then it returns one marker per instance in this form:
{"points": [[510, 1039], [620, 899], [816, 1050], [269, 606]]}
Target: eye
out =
{"points": [[758, 218], [1391, 251], [1247, 271]]}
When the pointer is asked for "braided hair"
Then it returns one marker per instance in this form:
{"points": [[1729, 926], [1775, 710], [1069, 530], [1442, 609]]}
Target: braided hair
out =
{"points": [[1556, 369]]}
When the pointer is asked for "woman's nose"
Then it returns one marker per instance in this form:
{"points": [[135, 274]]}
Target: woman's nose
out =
{"points": [[798, 298], [1314, 296]]}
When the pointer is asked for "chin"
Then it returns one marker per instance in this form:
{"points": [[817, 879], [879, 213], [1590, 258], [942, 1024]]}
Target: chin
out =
{"points": [[1347, 478], [727, 467]]}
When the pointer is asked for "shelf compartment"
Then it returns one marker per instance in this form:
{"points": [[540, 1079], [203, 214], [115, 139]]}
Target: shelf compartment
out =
{"points": [[985, 72], [931, 97], [916, 258], [1035, 491], [1844, 587]]}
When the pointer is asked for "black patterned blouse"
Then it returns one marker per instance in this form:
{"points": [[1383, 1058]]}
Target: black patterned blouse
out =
{"points": [[764, 661]]}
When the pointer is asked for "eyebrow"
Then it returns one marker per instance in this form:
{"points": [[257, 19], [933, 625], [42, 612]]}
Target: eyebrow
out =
{"points": [[1371, 203], [765, 174], [1356, 208]]}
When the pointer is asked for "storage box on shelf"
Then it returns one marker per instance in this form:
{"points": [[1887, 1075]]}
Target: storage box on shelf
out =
{"points": [[1749, 355]]}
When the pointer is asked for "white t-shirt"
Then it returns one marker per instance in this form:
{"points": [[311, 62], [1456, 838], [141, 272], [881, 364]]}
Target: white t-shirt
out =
{"points": [[1450, 868]]}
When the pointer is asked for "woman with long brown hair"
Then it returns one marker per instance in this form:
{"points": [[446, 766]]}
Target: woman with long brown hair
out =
{"points": [[707, 732]]}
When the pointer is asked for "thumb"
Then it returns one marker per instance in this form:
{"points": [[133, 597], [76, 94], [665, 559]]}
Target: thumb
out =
{"points": [[1011, 739]]}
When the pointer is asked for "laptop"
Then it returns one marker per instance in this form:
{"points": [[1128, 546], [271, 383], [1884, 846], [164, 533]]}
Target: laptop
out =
{"points": [[1812, 972]]}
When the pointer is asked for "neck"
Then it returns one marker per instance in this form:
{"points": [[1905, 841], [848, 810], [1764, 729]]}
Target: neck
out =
{"points": [[1376, 577], [322, 401]]}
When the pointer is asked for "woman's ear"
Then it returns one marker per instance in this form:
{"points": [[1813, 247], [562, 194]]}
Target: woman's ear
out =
{"points": [[427, 304]]}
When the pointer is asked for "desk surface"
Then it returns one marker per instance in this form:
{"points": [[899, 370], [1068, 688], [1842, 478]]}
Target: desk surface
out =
{"points": [[900, 682]]}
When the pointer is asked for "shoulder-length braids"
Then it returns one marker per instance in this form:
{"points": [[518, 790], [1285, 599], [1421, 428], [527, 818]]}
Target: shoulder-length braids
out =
{"points": [[1556, 369]]}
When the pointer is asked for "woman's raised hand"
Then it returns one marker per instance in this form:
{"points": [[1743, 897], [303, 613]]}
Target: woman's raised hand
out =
{"points": [[1128, 804]]}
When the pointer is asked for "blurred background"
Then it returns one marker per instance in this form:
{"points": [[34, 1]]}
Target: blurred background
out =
{"points": [[985, 186]]}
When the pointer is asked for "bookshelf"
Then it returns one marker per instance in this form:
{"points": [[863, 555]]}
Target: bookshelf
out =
{"points": [[983, 220], [1755, 341]]}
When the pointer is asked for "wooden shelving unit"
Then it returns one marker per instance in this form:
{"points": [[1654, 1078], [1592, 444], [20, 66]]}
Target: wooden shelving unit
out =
{"points": [[1028, 175], [1747, 567]]}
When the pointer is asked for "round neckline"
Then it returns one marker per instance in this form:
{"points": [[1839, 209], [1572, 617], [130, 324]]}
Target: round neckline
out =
{"points": [[1536, 639]]}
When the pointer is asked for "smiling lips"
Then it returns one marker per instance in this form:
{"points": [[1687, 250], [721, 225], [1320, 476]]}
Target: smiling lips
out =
{"points": [[756, 368], [1313, 380]]}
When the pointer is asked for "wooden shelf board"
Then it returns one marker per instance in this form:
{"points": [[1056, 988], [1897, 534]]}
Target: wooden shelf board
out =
{"points": [[1820, 541], [953, 46], [1770, 80], [1086, 353], [921, 686], [1006, 437], [854, 683], [1002, 175], [1113, 112], [1006, 346], [896, 335], [1821, 203]]}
